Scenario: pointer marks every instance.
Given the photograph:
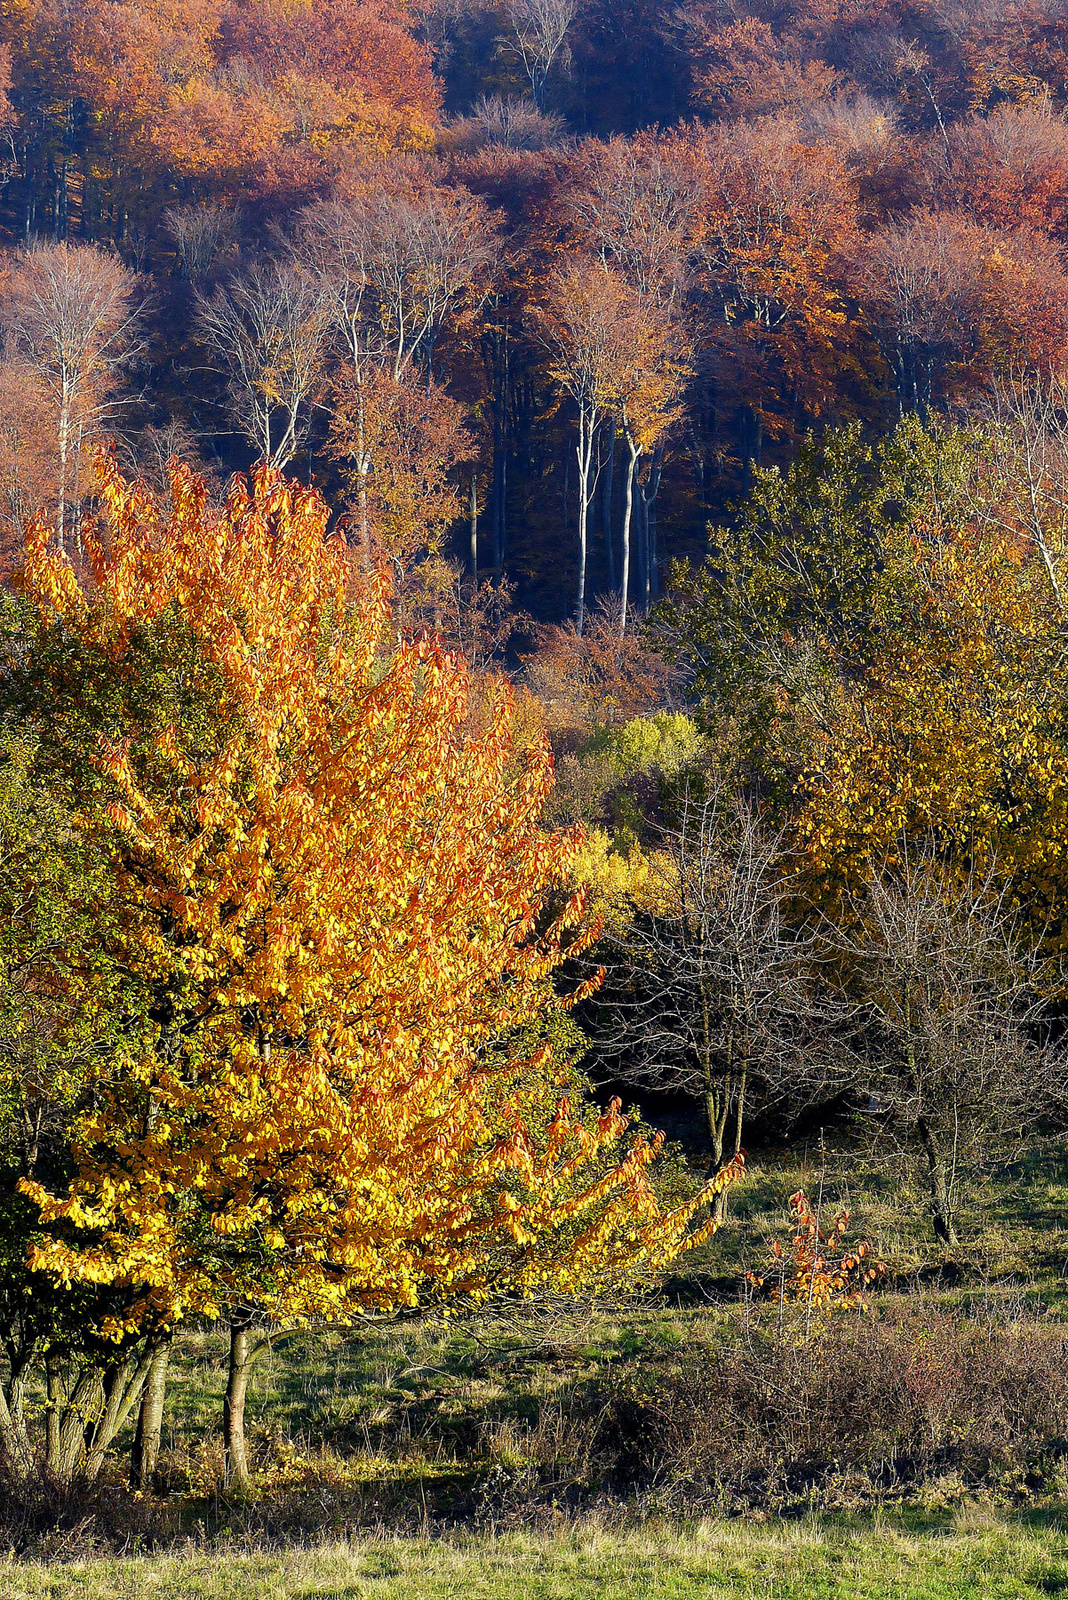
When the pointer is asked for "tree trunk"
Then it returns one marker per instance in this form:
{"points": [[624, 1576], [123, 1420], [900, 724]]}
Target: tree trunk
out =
{"points": [[472, 506], [64, 452], [121, 1392], [721, 1203], [584, 454], [651, 583], [941, 1204], [54, 1397], [606, 503], [16, 1452], [150, 1420], [500, 527], [70, 1416], [740, 1113], [241, 1353], [628, 514], [716, 1118]]}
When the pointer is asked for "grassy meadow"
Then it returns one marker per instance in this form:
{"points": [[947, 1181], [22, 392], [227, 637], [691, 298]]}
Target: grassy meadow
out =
{"points": [[973, 1552]]}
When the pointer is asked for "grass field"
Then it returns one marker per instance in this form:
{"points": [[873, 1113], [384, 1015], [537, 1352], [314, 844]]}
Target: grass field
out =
{"points": [[977, 1554]]}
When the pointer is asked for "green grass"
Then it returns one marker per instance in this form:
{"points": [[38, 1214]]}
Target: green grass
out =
{"points": [[1013, 1222], [978, 1554]]}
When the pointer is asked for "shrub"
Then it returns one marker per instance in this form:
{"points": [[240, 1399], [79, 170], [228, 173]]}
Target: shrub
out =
{"points": [[872, 1405]]}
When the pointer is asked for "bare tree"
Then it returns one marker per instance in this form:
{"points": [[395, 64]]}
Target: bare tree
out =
{"points": [[1026, 456], [638, 203], [148, 453], [201, 234], [586, 326], [72, 319], [944, 1000], [393, 263], [507, 123], [862, 127], [710, 987], [539, 30], [267, 332]]}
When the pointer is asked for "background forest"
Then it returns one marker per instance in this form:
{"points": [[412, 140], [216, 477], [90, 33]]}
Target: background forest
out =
{"points": [[464, 239], [534, 543]]}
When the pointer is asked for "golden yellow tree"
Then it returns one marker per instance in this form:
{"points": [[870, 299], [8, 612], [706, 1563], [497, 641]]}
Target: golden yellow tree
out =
{"points": [[339, 1098], [952, 731]]}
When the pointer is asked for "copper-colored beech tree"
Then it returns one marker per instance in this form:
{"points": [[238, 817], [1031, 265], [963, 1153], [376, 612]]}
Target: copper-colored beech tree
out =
{"points": [[343, 1100], [71, 316], [585, 326], [261, 98], [778, 213], [398, 441], [949, 299], [395, 260]]}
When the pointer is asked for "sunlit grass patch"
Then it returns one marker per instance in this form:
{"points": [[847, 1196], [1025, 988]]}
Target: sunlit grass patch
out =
{"points": [[799, 1560]]}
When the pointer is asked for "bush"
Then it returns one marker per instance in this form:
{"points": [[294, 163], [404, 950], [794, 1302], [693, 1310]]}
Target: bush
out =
{"points": [[865, 1406]]}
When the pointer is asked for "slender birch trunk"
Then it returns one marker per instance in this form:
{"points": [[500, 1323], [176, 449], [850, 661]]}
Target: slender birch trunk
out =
{"points": [[628, 516]]}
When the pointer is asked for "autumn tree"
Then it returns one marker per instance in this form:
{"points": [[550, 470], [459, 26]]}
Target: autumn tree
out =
{"points": [[28, 458], [971, 689], [884, 633], [202, 235], [330, 888], [948, 1050], [266, 331], [598, 676], [585, 327], [865, 132], [266, 100], [72, 319], [794, 587], [396, 262], [950, 301], [637, 203], [504, 122], [398, 440], [778, 214], [129, 61], [745, 70], [397, 259], [1007, 169]]}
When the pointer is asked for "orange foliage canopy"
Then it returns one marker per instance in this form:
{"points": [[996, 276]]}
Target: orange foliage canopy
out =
{"points": [[779, 212], [344, 1099], [257, 97]]}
